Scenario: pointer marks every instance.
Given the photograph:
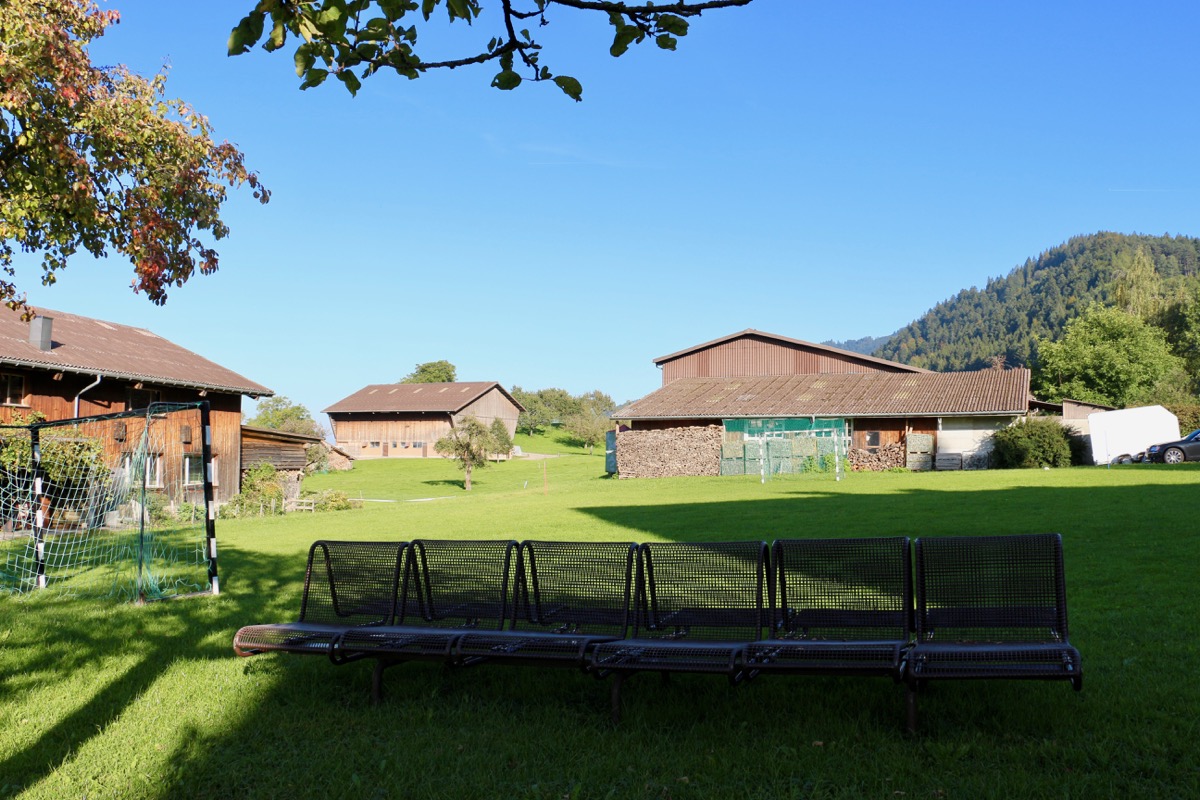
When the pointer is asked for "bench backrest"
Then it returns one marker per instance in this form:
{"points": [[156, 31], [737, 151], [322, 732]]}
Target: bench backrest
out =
{"points": [[352, 582], [458, 583], [584, 587], [844, 589], [991, 588], [702, 590]]}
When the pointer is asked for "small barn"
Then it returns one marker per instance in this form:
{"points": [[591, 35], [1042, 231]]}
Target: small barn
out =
{"points": [[404, 420], [287, 452]]}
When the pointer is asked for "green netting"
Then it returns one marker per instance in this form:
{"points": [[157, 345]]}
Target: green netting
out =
{"points": [[106, 506], [770, 447]]}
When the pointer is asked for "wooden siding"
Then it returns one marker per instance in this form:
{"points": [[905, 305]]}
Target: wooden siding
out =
{"points": [[758, 357], [55, 399], [412, 435], [892, 430]]}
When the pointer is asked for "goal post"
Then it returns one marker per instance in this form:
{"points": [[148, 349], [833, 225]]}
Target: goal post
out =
{"points": [[112, 505]]}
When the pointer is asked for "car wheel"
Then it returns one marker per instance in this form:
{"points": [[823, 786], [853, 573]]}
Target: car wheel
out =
{"points": [[1173, 456]]}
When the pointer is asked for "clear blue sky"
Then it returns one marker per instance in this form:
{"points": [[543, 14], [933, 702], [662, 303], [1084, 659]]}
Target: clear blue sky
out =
{"points": [[818, 170]]}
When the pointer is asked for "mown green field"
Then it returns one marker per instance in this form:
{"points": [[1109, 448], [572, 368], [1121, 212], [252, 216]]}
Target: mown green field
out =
{"points": [[108, 700]]}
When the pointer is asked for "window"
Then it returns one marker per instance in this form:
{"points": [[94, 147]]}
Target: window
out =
{"points": [[193, 470], [151, 466], [871, 440], [142, 398], [13, 387], [374, 444]]}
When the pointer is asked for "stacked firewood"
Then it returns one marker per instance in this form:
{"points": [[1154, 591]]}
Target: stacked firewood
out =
{"points": [[665, 453], [887, 457]]}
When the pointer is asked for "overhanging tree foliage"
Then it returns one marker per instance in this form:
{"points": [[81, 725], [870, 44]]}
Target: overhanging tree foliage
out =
{"points": [[340, 36], [98, 159]]}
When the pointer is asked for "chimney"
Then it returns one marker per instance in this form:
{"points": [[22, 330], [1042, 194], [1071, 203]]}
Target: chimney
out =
{"points": [[39, 332]]}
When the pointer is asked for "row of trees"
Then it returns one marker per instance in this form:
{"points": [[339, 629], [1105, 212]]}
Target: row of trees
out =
{"points": [[587, 417]]}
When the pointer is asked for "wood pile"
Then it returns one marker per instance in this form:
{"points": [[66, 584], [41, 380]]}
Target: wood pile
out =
{"points": [[889, 456], [671, 452]]}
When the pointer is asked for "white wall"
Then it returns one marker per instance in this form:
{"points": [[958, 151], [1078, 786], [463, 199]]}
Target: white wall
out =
{"points": [[970, 437]]}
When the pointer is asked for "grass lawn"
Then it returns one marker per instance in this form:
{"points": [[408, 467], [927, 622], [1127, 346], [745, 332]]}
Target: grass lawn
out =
{"points": [[108, 700]]}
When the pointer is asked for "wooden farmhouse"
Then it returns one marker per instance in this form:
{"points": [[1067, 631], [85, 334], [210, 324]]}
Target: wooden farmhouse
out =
{"points": [[744, 397], [65, 366], [403, 420]]}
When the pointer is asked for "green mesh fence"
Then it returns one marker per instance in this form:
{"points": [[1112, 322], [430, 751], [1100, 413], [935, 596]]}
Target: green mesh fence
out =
{"points": [[772, 447], [106, 506]]}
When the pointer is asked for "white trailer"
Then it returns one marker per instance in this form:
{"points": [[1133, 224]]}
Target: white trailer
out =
{"points": [[1128, 432]]}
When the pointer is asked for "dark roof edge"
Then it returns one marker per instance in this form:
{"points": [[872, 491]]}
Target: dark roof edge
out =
{"points": [[278, 434], [872, 415], [158, 380], [752, 332]]}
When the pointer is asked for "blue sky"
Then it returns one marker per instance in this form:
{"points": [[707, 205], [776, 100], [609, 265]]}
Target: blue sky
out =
{"points": [[818, 170]]}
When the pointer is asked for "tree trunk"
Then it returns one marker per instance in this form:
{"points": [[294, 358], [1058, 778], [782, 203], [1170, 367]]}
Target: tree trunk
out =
{"points": [[467, 478]]}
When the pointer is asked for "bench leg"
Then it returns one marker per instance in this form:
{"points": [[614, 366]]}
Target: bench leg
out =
{"points": [[618, 679], [377, 681]]}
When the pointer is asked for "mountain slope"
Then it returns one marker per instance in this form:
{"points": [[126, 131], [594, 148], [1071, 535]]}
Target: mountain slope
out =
{"points": [[1035, 300]]}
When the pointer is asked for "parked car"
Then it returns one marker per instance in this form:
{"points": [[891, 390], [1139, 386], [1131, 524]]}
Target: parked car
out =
{"points": [[1186, 449]]}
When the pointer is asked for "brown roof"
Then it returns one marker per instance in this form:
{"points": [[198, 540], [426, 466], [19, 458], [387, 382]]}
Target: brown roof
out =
{"points": [[93, 347], [274, 434], [787, 340], [875, 394], [443, 398]]}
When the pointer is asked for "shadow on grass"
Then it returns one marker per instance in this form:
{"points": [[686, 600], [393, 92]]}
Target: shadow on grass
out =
{"points": [[104, 639], [456, 484]]}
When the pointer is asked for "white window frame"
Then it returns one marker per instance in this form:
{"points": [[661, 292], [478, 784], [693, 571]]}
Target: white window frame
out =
{"points": [[197, 458]]}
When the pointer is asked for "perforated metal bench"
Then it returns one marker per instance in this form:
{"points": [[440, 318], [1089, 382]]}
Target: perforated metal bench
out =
{"points": [[990, 607], [450, 588], [570, 596], [842, 607], [347, 585], [698, 606]]}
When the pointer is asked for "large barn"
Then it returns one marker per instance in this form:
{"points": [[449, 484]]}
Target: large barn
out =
{"points": [[732, 402], [404, 420]]}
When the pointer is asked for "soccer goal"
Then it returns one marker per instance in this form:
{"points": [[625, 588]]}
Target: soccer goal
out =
{"points": [[116, 505]]}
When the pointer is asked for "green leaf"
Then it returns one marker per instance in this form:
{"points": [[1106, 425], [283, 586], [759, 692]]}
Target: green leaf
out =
{"points": [[353, 84], [427, 7], [314, 77], [673, 24], [571, 87], [277, 38], [304, 59], [506, 80], [625, 37], [459, 9], [666, 41], [247, 33]]}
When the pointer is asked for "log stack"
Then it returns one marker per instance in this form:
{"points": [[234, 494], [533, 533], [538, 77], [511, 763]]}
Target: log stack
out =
{"points": [[884, 458], [694, 450]]}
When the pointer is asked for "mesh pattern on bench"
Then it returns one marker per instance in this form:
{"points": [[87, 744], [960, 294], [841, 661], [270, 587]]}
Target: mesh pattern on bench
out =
{"points": [[698, 604], [450, 588], [346, 585], [842, 606], [569, 596], [992, 606]]}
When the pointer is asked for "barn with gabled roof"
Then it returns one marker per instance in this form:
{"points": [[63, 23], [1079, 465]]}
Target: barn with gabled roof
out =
{"points": [[403, 420]]}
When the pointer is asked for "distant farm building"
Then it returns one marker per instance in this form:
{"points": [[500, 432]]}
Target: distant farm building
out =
{"points": [[404, 420], [755, 400], [287, 452]]}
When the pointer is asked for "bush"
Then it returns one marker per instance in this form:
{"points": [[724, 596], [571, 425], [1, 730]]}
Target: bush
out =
{"points": [[330, 500], [1189, 416], [1035, 442], [262, 493]]}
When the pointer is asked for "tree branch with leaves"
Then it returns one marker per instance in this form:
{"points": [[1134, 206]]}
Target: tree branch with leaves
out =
{"points": [[341, 36], [99, 159]]}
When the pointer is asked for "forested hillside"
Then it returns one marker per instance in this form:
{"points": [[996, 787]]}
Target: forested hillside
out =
{"points": [[866, 345], [1038, 298]]}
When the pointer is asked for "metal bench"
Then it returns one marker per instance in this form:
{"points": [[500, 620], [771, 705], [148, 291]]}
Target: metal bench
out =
{"points": [[450, 588], [347, 585], [842, 607], [990, 607], [570, 596], [698, 606]]}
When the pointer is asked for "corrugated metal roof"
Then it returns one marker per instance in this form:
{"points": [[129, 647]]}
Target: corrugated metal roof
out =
{"points": [[787, 340], [94, 347], [876, 394], [443, 398]]}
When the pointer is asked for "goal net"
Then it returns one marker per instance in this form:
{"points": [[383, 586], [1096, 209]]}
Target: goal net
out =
{"points": [[114, 505]]}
